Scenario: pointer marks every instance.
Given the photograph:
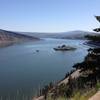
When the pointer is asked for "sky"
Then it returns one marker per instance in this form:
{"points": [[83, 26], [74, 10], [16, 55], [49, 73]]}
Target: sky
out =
{"points": [[49, 15]]}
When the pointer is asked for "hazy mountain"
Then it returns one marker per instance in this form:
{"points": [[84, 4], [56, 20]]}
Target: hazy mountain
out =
{"points": [[9, 36], [6, 36], [63, 35]]}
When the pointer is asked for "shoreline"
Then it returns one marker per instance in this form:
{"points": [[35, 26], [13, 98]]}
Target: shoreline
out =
{"points": [[5, 43], [92, 43], [74, 75]]}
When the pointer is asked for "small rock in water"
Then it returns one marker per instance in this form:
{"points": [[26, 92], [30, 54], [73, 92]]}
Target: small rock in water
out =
{"points": [[37, 50]]}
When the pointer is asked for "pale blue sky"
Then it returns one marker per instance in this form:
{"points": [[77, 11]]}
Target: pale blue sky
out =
{"points": [[49, 15]]}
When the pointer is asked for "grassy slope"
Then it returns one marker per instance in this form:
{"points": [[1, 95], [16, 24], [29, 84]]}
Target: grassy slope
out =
{"points": [[78, 96]]}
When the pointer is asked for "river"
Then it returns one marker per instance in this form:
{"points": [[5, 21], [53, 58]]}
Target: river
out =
{"points": [[23, 70]]}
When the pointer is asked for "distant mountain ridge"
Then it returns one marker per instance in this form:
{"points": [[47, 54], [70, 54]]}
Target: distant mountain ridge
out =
{"points": [[6, 36], [63, 35]]}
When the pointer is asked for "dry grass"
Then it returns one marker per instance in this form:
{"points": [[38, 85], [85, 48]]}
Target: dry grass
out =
{"points": [[85, 96]]}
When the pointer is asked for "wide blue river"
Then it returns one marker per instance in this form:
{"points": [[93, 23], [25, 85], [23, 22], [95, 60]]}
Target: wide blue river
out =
{"points": [[23, 70]]}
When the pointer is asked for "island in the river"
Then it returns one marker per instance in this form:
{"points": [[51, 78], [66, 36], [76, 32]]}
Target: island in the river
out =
{"points": [[64, 48]]}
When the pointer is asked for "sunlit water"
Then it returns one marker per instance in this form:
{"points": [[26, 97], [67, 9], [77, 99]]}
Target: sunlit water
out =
{"points": [[22, 69]]}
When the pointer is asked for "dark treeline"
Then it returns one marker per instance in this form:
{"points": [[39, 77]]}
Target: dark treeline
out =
{"points": [[95, 38]]}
